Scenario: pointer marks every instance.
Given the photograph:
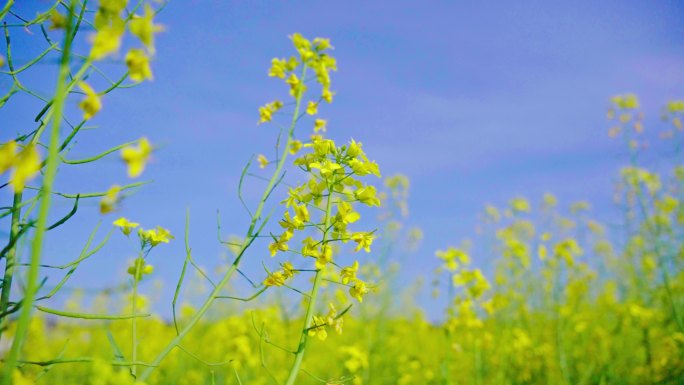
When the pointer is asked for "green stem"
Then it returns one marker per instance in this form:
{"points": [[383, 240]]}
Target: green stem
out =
{"points": [[45, 195], [10, 261], [134, 324], [249, 238], [299, 355]]}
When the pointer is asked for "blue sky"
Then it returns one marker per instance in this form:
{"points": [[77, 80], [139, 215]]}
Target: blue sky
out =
{"points": [[476, 102]]}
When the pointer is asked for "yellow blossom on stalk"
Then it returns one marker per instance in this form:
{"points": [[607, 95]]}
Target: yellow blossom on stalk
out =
{"points": [[57, 20], [280, 244], [327, 95], [8, 154], [358, 290], [626, 102], [367, 195], [263, 162], [520, 205], [110, 28], [92, 104], [345, 214], [144, 29], [453, 257], [309, 248], [317, 329], [474, 279], [26, 165], [155, 236], [110, 199], [320, 125], [288, 270], [295, 146], [106, 42], [275, 279], [125, 225], [333, 320], [138, 64], [321, 44], [296, 86], [301, 213], [303, 46], [567, 249], [348, 273], [136, 157], [281, 66], [363, 240], [266, 112], [140, 268], [326, 168], [324, 257], [312, 108]]}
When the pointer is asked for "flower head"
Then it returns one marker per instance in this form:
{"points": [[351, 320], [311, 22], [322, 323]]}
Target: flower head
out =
{"points": [[136, 157]]}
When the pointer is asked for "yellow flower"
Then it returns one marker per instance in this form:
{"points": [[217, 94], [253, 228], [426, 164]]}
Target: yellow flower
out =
{"points": [[26, 164], [333, 320], [327, 168], [346, 214], [358, 290], [57, 20], [279, 67], [626, 102], [367, 196], [289, 270], [91, 105], [107, 41], [263, 162], [301, 213], [155, 236], [348, 273], [317, 328], [520, 205], [327, 95], [296, 86], [110, 199], [138, 64], [320, 125], [140, 268], [144, 29], [363, 240], [303, 46], [321, 44], [280, 244], [136, 157], [312, 108], [324, 257], [125, 225], [295, 146], [275, 279], [266, 112], [8, 154]]}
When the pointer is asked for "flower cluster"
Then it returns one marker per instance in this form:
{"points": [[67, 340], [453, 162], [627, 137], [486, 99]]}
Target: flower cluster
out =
{"points": [[24, 163], [148, 240], [110, 26]]}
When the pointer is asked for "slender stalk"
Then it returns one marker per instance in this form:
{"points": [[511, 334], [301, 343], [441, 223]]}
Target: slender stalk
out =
{"points": [[45, 195], [134, 323], [10, 260], [299, 355], [249, 238]]}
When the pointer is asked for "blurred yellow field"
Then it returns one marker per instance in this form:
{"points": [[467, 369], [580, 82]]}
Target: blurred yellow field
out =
{"points": [[325, 268]]}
